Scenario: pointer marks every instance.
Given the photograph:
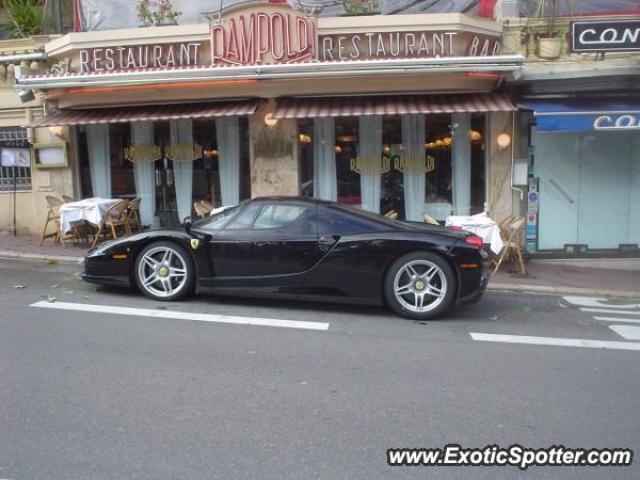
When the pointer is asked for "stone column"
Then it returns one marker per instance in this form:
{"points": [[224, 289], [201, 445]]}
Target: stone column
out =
{"points": [[274, 156], [500, 193]]}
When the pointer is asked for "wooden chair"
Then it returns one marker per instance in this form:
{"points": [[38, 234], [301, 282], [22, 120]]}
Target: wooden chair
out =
{"points": [[391, 215], [53, 217], [67, 199], [115, 218], [512, 247], [429, 219], [504, 224], [133, 215], [202, 208]]}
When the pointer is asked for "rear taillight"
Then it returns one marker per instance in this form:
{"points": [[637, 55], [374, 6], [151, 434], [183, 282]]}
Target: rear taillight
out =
{"points": [[475, 240]]}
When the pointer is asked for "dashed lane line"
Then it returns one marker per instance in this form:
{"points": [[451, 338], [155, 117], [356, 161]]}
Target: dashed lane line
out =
{"points": [[177, 315], [618, 319], [556, 342], [626, 331]]}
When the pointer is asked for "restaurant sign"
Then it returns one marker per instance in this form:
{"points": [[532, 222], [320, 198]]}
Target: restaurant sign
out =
{"points": [[606, 36], [278, 33]]}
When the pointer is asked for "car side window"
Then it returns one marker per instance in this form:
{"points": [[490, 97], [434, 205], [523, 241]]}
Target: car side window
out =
{"points": [[336, 222], [245, 219], [277, 216]]}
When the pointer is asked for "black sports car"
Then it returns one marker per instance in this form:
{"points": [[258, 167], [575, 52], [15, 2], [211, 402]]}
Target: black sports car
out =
{"points": [[300, 249]]}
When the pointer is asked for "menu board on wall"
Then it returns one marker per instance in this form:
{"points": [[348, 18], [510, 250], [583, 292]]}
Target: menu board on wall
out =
{"points": [[15, 157]]}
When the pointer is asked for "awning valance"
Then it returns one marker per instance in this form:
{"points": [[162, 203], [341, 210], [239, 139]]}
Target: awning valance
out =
{"points": [[311, 107], [586, 116], [147, 113]]}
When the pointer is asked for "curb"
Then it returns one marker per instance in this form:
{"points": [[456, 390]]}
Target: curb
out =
{"points": [[563, 290], [38, 256]]}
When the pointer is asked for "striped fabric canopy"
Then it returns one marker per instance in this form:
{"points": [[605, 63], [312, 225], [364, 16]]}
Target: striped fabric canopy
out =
{"points": [[311, 107], [148, 113]]}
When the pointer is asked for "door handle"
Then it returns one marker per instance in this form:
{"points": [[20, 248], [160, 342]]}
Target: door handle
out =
{"points": [[325, 243]]}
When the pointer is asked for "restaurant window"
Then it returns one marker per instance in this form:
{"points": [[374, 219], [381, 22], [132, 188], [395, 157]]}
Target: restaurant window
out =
{"points": [[346, 148], [15, 156], [424, 168], [392, 191], [305, 156], [122, 180], [439, 179], [478, 163]]}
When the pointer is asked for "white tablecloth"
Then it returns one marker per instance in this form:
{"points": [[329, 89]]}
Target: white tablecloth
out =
{"points": [[90, 210], [480, 225]]}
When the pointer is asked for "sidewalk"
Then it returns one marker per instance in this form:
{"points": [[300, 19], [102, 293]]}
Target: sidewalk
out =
{"points": [[546, 277], [26, 246], [542, 276]]}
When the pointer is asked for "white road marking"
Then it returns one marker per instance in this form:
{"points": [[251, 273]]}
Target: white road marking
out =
{"points": [[558, 342], [198, 317], [596, 302], [618, 319], [627, 331], [615, 312]]}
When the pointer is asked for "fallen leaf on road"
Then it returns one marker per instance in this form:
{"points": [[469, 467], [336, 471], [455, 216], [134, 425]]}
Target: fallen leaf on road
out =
{"points": [[67, 291], [87, 297], [53, 286], [495, 317], [76, 274], [18, 286], [51, 299], [51, 261]]}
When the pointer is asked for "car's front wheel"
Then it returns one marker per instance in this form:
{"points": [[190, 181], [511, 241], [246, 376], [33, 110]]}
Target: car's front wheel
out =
{"points": [[164, 271], [420, 285]]}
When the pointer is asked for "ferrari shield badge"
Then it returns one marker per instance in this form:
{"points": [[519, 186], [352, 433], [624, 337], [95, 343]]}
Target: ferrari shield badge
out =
{"points": [[194, 243]]}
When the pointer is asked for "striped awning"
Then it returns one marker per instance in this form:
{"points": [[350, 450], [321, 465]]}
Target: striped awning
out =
{"points": [[313, 107], [147, 113]]}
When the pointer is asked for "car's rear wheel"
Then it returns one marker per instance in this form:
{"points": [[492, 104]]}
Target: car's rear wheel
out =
{"points": [[164, 271], [420, 285]]}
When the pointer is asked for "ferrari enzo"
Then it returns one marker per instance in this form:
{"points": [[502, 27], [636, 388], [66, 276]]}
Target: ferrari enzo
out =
{"points": [[299, 248]]}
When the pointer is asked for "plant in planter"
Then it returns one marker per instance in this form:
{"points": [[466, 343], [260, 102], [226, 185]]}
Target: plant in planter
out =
{"points": [[157, 12], [549, 42], [361, 7], [26, 18]]}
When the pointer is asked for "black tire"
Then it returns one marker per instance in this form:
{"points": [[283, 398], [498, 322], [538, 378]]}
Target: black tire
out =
{"points": [[444, 280], [156, 290]]}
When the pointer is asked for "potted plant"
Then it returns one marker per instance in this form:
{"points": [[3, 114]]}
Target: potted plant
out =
{"points": [[361, 7], [549, 42], [157, 12], [26, 18]]}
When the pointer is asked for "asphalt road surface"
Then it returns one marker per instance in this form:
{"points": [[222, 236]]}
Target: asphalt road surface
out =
{"points": [[106, 384]]}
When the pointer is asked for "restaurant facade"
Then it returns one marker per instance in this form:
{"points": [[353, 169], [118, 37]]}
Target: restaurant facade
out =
{"points": [[400, 112]]}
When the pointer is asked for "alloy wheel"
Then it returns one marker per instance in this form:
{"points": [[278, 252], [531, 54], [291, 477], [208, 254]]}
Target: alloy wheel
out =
{"points": [[420, 286], [162, 271]]}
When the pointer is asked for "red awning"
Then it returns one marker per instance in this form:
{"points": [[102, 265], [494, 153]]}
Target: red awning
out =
{"points": [[311, 107], [147, 113]]}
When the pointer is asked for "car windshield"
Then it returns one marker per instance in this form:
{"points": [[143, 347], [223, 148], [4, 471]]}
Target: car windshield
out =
{"points": [[217, 220]]}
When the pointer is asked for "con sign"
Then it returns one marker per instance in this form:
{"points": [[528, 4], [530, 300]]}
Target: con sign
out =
{"points": [[606, 36], [617, 122]]}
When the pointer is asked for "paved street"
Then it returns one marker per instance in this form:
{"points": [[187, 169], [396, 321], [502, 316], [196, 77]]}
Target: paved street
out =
{"points": [[223, 388]]}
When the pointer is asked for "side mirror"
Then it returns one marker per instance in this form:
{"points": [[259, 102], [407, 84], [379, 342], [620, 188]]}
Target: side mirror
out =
{"points": [[187, 224]]}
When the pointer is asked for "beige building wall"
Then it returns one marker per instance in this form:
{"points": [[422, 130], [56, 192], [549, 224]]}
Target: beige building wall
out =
{"points": [[31, 207]]}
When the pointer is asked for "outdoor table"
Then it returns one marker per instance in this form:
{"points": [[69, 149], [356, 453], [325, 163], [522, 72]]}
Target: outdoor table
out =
{"points": [[87, 210], [480, 225]]}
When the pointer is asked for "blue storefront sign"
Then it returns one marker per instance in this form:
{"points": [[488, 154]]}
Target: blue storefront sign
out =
{"points": [[585, 116]]}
